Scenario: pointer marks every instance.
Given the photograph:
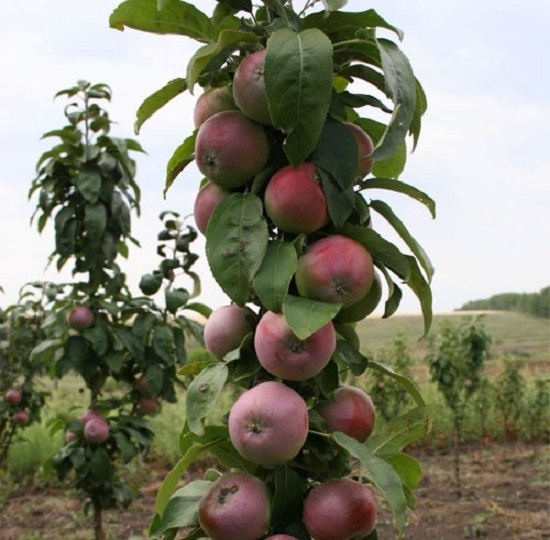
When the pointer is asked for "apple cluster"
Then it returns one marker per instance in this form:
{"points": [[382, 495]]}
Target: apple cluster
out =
{"points": [[270, 420], [14, 398]]}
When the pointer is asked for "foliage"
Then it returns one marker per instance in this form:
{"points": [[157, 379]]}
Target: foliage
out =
{"points": [[536, 304]]}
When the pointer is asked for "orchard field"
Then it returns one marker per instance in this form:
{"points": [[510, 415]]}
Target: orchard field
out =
{"points": [[505, 477]]}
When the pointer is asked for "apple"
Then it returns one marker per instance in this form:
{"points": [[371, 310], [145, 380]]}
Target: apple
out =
{"points": [[268, 424], [236, 507], [335, 268], [13, 396], [96, 430], [295, 201], [230, 149], [80, 318], [70, 436], [249, 88], [340, 509], [362, 309], [142, 384], [208, 197], [284, 355], [351, 411], [148, 405], [21, 417], [226, 327], [88, 415], [215, 100], [365, 148]]}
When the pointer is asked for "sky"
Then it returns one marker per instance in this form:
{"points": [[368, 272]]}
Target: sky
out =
{"points": [[483, 154]]}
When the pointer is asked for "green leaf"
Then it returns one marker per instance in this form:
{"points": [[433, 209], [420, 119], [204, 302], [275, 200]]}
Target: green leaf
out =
{"points": [[349, 355], [88, 183], [381, 473], [410, 472], [420, 109], [288, 496], [422, 290], [182, 156], [394, 294], [236, 242], [175, 299], [157, 100], [333, 5], [175, 17], [400, 187], [399, 432], [227, 42], [181, 510], [275, 274], [340, 202], [149, 284], [408, 384], [401, 87], [95, 220], [163, 344], [44, 352], [385, 210], [203, 393], [305, 316], [298, 81]]}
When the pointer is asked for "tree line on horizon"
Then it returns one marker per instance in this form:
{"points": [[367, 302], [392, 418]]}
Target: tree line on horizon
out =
{"points": [[536, 304]]}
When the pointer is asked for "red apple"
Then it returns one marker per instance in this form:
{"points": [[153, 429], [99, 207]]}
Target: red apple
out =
{"points": [[362, 309], [96, 430], [208, 197], [148, 405], [142, 385], [365, 148], [230, 149], [284, 355], [13, 396], [351, 411], [249, 88], [268, 424], [213, 101], [237, 507], [335, 269], [226, 327], [340, 509], [80, 318], [21, 417], [295, 201], [88, 415]]}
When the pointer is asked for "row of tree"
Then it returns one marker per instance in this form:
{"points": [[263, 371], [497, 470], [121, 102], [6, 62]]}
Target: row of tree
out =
{"points": [[536, 304]]}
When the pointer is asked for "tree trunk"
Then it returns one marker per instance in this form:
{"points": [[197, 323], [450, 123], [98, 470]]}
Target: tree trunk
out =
{"points": [[98, 520], [456, 446]]}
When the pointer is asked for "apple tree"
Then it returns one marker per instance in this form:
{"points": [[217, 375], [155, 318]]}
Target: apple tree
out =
{"points": [[302, 116]]}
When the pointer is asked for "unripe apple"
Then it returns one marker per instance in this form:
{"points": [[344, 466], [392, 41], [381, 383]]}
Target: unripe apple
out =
{"points": [[295, 201], [340, 509], [21, 417], [213, 101], [362, 309], [96, 430], [13, 396], [230, 149], [268, 424], [236, 507], [80, 318], [148, 405], [249, 88], [284, 355], [226, 327], [351, 411], [365, 148], [208, 197], [335, 269]]}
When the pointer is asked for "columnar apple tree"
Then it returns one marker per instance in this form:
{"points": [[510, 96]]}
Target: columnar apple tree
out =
{"points": [[290, 157]]}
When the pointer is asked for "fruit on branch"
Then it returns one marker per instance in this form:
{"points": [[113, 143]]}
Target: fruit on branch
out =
{"points": [[295, 201], [142, 385], [340, 509], [365, 148], [80, 318], [236, 507], [249, 88], [213, 101], [351, 411], [13, 396], [230, 149], [358, 311], [335, 269], [268, 424], [208, 197], [96, 430], [148, 405], [88, 415], [226, 328], [21, 417], [70, 436], [284, 355]]}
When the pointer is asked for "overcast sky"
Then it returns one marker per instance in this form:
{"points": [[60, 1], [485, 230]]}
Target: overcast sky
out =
{"points": [[483, 155]]}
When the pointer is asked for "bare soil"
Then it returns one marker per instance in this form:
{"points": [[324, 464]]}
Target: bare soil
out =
{"points": [[505, 495]]}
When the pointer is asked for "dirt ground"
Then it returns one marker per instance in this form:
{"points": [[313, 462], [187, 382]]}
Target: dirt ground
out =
{"points": [[506, 495]]}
